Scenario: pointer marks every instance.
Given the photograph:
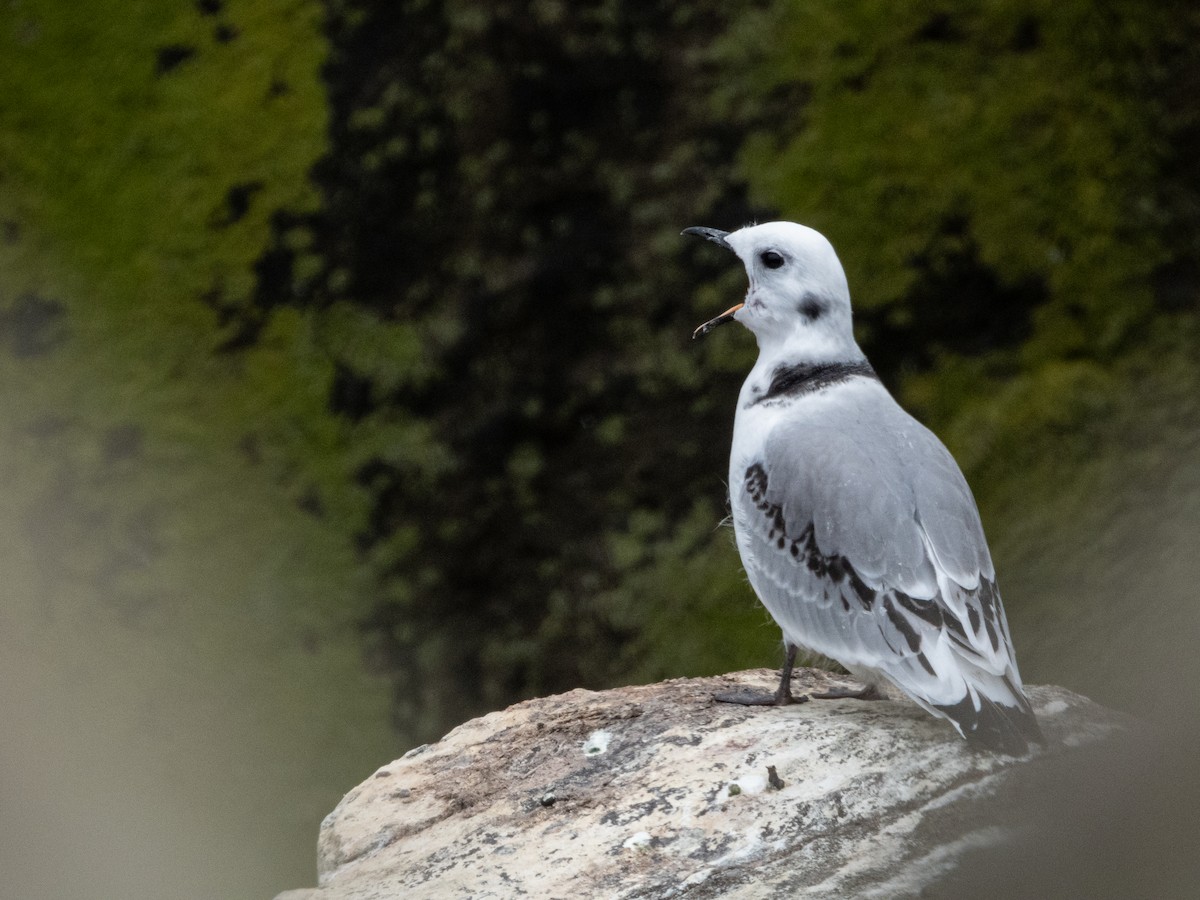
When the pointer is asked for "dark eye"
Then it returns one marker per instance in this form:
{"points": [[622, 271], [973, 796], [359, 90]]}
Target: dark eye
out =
{"points": [[771, 259]]}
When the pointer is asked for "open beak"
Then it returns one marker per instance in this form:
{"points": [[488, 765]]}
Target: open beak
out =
{"points": [[711, 234], [717, 237], [708, 326]]}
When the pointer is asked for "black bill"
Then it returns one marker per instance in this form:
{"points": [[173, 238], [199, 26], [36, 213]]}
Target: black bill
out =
{"points": [[708, 326], [717, 237]]}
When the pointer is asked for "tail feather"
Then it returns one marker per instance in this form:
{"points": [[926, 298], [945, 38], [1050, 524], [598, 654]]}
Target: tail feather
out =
{"points": [[995, 726]]}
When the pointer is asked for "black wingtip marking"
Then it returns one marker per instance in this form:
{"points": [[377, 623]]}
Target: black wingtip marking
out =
{"points": [[995, 726]]}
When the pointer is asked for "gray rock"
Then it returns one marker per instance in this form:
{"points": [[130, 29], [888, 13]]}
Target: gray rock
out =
{"points": [[658, 791]]}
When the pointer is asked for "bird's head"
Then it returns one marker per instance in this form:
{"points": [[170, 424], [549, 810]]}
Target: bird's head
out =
{"points": [[798, 293]]}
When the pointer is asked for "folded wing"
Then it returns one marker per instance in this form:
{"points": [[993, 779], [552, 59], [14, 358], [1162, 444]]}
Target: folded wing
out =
{"points": [[883, 566]]}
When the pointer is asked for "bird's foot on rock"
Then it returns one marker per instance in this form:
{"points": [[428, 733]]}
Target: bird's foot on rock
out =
{"points": [[757, 698], [783, 694]]}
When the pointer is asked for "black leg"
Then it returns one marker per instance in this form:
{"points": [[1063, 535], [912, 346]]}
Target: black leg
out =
{"points": [[783, 694]]}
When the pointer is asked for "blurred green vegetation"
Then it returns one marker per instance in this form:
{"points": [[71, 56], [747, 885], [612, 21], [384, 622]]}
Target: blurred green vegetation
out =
{"points": [[180, 661], [501, 198], [348, 388]]}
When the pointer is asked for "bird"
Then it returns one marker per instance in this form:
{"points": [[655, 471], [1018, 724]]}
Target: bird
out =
{"points": [[855, 525]]}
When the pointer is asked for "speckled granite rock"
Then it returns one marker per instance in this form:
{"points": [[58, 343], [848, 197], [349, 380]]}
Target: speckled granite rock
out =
{"points": [[658, 791]]}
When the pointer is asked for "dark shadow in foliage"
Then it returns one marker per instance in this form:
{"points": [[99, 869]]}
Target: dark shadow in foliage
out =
{"points": [[1173, 79], [33, 326], [1176, 285], [1027, 36], [351, 395], [123, 443], [241, 318], [171, 57], [237, 322], [940, 28], [957, 305], [237, 204], [497, 187]]}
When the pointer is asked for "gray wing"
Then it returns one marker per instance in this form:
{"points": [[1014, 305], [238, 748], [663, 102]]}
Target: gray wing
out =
{"points": [[863, 540]]}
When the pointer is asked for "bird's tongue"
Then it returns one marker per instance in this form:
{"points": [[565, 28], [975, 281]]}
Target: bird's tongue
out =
{"points": [[708, 326]]}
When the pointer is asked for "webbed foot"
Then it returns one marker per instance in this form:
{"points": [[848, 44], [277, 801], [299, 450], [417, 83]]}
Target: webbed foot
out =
{"points": [[783, 695]]}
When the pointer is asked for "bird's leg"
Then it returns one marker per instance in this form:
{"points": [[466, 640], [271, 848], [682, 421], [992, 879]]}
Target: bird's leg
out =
{"points": [[870, 692], [783, 694]]}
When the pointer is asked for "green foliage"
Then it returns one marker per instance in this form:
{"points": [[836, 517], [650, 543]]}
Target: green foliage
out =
{"points": [[1018, 115], [685, 601], [184, 631], [495, 272]]}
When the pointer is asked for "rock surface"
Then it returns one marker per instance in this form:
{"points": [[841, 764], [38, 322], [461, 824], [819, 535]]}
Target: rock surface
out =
{"points": [[658, 791]]}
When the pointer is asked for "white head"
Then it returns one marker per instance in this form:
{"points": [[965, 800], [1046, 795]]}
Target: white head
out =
{"points": [[798, 298]]}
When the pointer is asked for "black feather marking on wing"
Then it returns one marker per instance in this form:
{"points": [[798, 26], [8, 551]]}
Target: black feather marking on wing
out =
{"points": [[807, 378], [866, 596], [804, 546], [991, 630], [990, 605], [931, 613], [954, 625], [901, 624], [985, 611], [756, 485], [926, 610]]}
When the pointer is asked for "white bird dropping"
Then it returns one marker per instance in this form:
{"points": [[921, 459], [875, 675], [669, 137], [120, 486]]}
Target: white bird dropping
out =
{"points": [[855, 525]]}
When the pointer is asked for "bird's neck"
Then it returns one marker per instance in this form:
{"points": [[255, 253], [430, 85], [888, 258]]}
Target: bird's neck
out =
{"points": [[803, 363], [805, 346]]}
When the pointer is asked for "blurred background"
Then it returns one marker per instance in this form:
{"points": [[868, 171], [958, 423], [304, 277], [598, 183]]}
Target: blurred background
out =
{"points": [[346, 388]]}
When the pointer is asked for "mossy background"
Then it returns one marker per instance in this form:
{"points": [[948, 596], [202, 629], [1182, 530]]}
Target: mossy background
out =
{"points": [[347, 389]]}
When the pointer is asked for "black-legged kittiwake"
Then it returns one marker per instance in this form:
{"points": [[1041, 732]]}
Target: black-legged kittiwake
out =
{"points": [[855, 525]]}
